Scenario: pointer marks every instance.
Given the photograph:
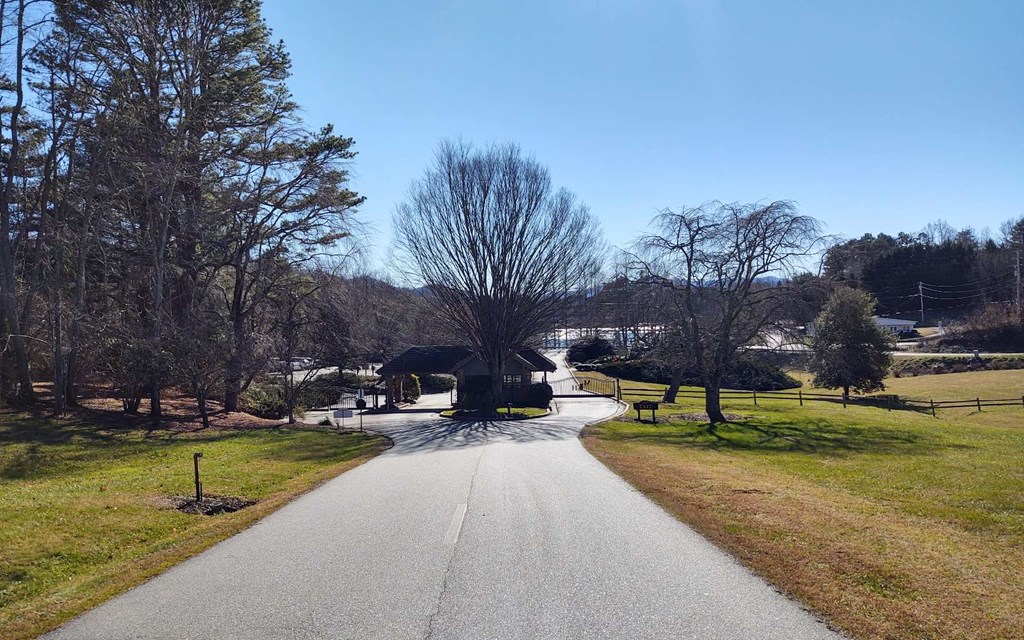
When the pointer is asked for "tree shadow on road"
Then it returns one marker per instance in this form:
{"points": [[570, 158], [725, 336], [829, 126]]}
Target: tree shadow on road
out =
{"points": [[446, 433]]}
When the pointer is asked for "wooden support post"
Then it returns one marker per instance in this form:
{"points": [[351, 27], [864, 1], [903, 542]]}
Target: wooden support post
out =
{"points": [[979, 403], [755, 398], [199, 485], [933, 406], [801, 394]]}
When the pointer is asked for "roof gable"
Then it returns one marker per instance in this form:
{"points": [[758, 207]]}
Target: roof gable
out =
{"points": [[450, 358]]}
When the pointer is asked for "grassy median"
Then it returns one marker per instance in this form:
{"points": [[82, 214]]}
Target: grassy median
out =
{"points": [[86, 514], [890, 524]]}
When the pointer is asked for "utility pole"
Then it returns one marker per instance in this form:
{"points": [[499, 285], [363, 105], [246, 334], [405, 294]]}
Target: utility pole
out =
{"points": [[1016, 272], [920, 294]]}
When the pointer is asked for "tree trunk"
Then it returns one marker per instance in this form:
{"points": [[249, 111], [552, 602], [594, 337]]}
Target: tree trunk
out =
{"points": [[8, 281], [203, 413], [713, 400], [497, 375], [233, 374], [673, 387], [156, 328], [75, 333]]}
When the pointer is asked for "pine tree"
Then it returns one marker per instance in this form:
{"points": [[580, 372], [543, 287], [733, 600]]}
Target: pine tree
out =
{"points": [[850, 351]]}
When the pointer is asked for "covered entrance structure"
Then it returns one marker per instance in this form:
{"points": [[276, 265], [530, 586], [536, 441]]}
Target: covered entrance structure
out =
{"points": [[469, 371]]}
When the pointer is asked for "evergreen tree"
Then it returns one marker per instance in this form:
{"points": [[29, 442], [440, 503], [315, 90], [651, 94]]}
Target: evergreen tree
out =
{"points": [[850, 351]]}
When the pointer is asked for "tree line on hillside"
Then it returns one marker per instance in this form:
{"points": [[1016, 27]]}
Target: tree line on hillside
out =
{"points": [[166, 216], [954, 271]]}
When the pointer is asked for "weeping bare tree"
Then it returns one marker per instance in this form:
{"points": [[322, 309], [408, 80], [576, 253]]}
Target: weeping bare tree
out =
{"points": [[497, 247], [726, 267]]}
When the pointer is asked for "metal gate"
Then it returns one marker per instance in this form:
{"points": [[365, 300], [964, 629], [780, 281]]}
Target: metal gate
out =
{"points": [[583, 388]]}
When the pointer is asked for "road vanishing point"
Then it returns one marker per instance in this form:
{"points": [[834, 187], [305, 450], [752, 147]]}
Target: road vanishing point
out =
{"points": [[462, 530]]}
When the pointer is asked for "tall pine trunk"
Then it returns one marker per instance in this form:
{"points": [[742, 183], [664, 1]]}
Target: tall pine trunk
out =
{"points": [[8, 280]]}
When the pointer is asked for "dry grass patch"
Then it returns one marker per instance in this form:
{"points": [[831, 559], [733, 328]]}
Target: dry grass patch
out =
{"points": [[888, 524]]}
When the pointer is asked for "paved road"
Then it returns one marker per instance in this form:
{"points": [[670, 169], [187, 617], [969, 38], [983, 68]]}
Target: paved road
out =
{"points": [[462, 531]]}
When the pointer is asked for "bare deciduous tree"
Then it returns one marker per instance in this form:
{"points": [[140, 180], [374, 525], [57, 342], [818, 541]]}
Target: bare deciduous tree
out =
{"points": [[497, 247], [718, 261]]}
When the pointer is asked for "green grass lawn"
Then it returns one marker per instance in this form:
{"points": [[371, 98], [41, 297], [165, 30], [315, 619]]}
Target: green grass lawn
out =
{"points": [[84, 512], [891, 524]]}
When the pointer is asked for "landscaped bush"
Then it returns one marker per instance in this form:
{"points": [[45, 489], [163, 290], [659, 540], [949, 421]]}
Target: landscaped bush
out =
{"points": [[743, 374], [264, 401], [436, 383], [910, 367], [540, 395], [994, 328], [411, 388], [590, 349]]}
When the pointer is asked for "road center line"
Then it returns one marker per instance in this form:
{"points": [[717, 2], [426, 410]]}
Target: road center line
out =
{"points": [[456, 526]]}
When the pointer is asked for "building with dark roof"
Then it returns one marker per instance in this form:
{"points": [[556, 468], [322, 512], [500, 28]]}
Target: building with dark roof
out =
{"points": [[469, 370]]}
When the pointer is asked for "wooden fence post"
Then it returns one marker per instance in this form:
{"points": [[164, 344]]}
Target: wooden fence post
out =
{"points": [[801, 394], [933, 406], [755, 398], [978, 400]]}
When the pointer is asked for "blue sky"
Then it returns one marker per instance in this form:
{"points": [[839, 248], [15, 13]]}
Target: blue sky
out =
{"points": [[872, 116]]}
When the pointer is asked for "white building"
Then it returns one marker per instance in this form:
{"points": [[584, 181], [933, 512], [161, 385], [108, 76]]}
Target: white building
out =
{"points": [[895, 325]]}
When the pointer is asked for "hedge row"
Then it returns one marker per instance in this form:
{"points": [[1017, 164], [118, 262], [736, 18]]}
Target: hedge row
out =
{"points": [[910, 367], [742, 374]]}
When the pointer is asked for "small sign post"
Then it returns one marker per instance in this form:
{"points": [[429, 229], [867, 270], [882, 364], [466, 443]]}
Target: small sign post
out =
{"points": [[342, 413], [199, 485], [361, 405], [646, 405]]}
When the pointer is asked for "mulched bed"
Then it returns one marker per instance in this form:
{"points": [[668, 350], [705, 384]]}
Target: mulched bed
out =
{"points": [[703, 417], [211, 505]]}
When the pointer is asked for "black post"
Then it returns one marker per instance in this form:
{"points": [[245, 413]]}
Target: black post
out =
{"points": [[801, 394], [199, 485], [933, 407]]}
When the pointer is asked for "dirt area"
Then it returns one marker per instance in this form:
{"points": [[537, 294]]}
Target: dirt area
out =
{"points": [[688, 417], [703, 417], [99, 405], [211, 505]]}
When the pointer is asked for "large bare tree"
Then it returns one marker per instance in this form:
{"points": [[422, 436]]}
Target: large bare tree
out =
{"points": [[497, 247], [726, 268]]}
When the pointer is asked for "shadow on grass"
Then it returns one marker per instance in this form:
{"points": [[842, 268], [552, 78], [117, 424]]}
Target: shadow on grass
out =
{"points": [[37, 448], [813, 436]]}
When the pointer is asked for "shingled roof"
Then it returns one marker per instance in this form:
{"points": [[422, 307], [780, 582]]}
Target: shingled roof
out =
{"points": [[447, 358]]}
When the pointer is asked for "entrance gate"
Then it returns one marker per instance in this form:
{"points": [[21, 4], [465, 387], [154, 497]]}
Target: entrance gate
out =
{"points": [[584, 388]]}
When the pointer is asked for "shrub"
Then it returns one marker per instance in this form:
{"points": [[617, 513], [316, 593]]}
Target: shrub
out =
{"points": [[264, 401], [411, 387], [436, 383], [540, 395], [742, 374], [950, 364], [590, 349], [993, 328]]}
